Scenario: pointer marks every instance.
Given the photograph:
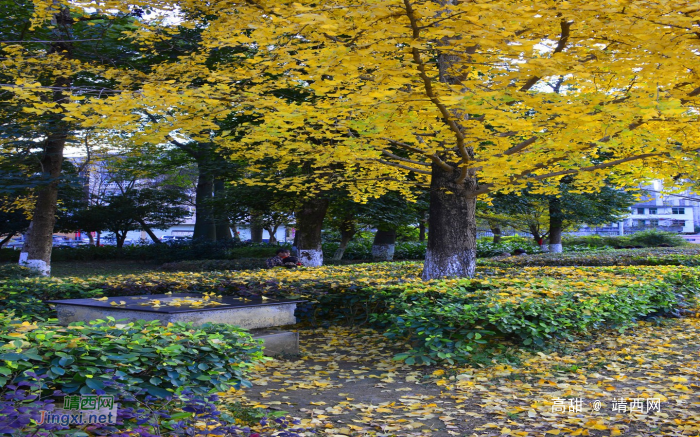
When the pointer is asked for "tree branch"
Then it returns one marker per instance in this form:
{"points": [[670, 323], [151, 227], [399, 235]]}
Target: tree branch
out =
{"points": [[518, 147], [594, 167], [405, 167], [436, 159], [404, 159], [561, 45], [427, 85]]}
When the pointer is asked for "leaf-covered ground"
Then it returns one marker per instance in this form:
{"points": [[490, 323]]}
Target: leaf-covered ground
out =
{"points": [[346, 384]]}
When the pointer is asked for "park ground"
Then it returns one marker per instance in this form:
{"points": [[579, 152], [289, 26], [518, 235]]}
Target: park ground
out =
{"points": [[640, 379]]}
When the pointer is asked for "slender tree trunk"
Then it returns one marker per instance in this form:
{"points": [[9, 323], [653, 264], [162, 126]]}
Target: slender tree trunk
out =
{"points": [[150, 233], [309, 225], [451, 248], [204, 226], [256, 227], [223, 227], [421, 231], [234, 230], [6, 239], [36, 251], [272, 232], [120, 239], [347, 231], [496, 230], [556, 225], [99, 237], [384, 245], [91, 238]]}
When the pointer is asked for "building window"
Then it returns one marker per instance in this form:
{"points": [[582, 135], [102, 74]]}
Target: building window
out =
{"points": [[654, 222], [678, 210], [652, 210], [677, 222], [640, 210]]}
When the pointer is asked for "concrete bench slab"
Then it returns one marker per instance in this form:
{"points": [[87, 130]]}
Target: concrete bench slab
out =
{"points": [[252, 313]]}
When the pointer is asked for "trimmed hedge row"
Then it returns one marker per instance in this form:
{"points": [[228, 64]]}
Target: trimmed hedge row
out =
{"points": [[687, 256], [444, 320]]}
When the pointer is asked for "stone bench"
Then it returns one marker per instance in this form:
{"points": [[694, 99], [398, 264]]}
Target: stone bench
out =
{"points": [[254, 314]]}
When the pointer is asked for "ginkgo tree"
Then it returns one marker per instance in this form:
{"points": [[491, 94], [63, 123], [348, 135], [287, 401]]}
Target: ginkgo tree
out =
{"points": [[470, 96]]}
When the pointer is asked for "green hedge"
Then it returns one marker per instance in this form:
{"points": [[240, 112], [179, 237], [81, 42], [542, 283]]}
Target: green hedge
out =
{"points": [[81, 358], [686, 256], [648, 238]]}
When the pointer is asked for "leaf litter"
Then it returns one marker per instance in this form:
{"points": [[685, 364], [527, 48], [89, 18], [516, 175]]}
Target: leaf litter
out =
{"points": [[345, 383]]}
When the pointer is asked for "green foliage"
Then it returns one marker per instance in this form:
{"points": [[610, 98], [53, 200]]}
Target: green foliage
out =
{"points": [[450, 323], [625, 257], [81, 357], [209, 265], [15, 271], [648, 238], [169, 252]]}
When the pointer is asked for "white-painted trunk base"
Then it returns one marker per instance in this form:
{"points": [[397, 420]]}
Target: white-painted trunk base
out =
{"points": [[383, 252], [311, 257], [556, 248], [461, 265], [35, 264]]}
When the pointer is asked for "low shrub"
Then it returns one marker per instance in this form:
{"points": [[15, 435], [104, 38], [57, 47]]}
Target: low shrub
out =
{"points": [[163, 360], [210, 265], [166, 252], [15, 271], [449, 321], [648, 238], [686, 256]]}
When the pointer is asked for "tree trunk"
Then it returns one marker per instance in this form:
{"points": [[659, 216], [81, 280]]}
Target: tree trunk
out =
{"points": [[309, 225], [272, 232], [421, 231], [496, 230], [204, 226], [36, 251], [120, 239], [234, 230], [91, 238], [556, 225], [347, 231], [223, 227], [6, 239], [451, 248], [384, 245], [256, 227], [150, 233]]}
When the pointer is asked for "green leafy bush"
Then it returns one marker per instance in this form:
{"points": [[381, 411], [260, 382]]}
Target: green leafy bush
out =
{"points": [[210, 265], [81, 357], [449, 322], [648, 238], [15, 271], [685, 256]]}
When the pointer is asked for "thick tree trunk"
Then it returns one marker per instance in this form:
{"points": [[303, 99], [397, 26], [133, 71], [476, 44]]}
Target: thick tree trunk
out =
{"points": [[36, 251], [451, 248], [556, 225], [223, 227], [150, 233], [309, 225], [347, 231], [6, 239], [204, 226], [256, 227], [91, 239], [384, 245]]}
